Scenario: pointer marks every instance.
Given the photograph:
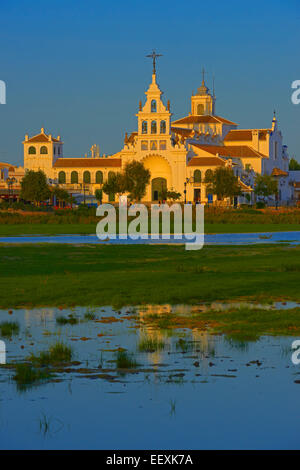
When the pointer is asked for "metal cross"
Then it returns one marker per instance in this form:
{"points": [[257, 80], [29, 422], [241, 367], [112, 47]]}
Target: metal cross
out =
{"points": [[154, 57], [203, 74]]}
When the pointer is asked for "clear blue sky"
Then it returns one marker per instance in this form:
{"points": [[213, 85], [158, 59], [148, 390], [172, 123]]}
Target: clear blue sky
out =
{"points": [[79, 68]]}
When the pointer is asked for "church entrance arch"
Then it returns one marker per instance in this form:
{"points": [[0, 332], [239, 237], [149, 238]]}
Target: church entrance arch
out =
{"points": [[157, 185]]}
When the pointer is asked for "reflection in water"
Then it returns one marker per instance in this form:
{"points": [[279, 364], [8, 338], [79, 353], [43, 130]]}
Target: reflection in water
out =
{"points": [[193, 390]]}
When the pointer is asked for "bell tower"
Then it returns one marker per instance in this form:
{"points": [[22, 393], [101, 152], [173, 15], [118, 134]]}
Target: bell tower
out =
{"points": [[203, 102], [154, 118]]}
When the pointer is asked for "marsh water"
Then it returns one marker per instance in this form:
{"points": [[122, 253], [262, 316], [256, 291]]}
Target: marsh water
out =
{"points": [[197, 391], [209, 239]]}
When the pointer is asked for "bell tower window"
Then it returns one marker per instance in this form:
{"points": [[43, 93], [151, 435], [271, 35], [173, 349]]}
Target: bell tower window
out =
{"points": [[153, 127], [144, 127], [163, 127], [32, 150], [200, 109], [153, 106]]}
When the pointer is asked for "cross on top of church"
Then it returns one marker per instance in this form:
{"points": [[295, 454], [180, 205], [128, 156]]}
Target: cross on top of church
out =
{"points": [[203, 75], [154, 57]]}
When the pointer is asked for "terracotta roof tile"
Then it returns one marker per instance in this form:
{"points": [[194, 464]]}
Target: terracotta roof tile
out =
{"points": [[205, 118], [7, 165], [245, 134], [87, 162], [234, 151], [182, 131], [206, 161], [42, 138]]}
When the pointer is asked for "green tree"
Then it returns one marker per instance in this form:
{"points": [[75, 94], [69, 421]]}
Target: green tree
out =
{"points": [[173, 195], [61, 195], [223, 183], [265, 185], [169, 195], [136, 178], [34, 187], [99, 195], [115, 184], [294, 165]]}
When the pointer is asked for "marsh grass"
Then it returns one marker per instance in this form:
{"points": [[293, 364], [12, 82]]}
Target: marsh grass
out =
{"points": [[89, 316], [8, 329], [148, 344], [35, 275], [70, 320], [45, 424], [172, 407], [26, 375], [184, 345], [125, 360], [291, 268], [246, 324], [57, 353]]}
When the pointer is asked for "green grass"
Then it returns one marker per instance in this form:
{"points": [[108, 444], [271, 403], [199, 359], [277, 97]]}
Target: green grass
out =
{"points": [[148, 344], [66, 275], [249, 324], [70, 320], [16, 230], [125, 360], [8, 329], [26, 375], [238, 324], [56, 354], [89, 316]]}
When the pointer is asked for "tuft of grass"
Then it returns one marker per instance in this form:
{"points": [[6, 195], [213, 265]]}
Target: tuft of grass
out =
{"points": [[172, 407], [61, 320], [148, 344], [26, 375], [184, 345], [89, 316], [8, 329], [125, 360], [57, 353]]}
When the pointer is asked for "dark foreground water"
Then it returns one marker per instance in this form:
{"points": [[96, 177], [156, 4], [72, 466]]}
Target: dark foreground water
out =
{"points": [[200, 392], [209, 239]]}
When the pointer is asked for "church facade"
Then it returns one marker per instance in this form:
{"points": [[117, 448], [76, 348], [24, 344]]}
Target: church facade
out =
{"points": [[178, 153]]}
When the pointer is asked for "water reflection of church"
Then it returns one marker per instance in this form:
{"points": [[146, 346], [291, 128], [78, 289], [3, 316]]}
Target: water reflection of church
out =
{"points": [[201, 341]]}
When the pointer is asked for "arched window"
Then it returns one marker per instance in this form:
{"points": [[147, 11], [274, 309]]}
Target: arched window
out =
{"points": [[153, 145], [32, 150], [197, 176], [208, 174], [144, 145], [74, 177], [61, 177], [153, 127], [163, 127], [99, 177], [144, 127], [43, 150], [153, 106], [86, 177], [111, 174], [200, 109]]}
